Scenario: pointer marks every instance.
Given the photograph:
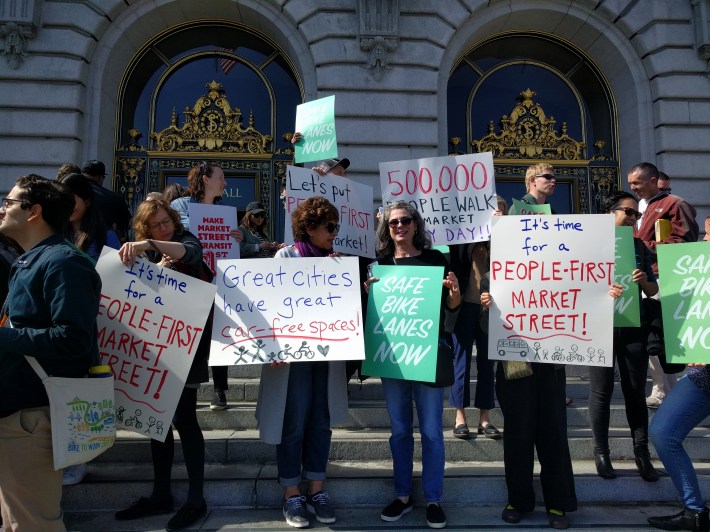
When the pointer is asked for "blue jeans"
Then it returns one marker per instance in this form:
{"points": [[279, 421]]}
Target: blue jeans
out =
{"points": [[682, 410], [305, 440], [430, 406]]}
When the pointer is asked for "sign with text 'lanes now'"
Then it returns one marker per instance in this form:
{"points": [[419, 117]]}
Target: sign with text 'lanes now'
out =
{"points": [[150, 323], [316, 122]]}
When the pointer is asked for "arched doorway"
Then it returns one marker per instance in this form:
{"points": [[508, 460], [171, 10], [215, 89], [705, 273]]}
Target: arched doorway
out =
{"points": [[530, 97], [210, 90]]}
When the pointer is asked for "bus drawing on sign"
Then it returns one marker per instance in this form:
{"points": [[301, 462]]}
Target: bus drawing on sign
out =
{"points": [[513, 346]]}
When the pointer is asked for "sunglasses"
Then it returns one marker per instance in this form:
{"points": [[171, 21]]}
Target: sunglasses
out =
{"points": [[259, 214], [394, 222], [628, 211], [549, 177], [332, 228]]}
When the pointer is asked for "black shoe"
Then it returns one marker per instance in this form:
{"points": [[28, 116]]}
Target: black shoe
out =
{"points": [[435, 516], [489, 431], [604, 467], [397, 509], [557, 519], [144, 507], [685, 520], [644, 465], [511, 515], [219, 401], [186, 516], [461, 431]]}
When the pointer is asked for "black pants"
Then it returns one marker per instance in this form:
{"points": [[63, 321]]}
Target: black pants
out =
{"points": [[219, 378], [632, 358], [193, 450], [535, 417]]}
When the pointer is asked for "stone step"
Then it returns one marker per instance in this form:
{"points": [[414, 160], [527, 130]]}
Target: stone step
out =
{"points": [[111, 486], [244, 447]]}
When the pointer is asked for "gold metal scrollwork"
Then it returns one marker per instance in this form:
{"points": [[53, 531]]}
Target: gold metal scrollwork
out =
{"points": [[527, 133], [211, 125]]}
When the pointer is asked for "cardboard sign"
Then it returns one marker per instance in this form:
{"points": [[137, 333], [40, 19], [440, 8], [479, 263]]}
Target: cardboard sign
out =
{"points": [[352, 199], [627, 311], [522, 209], [287, 310], [684, 283], [402, 331], [455, 195], [316, 122], [150, 323], [550, 278], [211, 225]]}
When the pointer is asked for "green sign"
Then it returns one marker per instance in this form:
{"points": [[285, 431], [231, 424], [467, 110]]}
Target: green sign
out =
{"points": [[626, 306], [684, 283], [316, 122], [402, 326], [520, 209]]}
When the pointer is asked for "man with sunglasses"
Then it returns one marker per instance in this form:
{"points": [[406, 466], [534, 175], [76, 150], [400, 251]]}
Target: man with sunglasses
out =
{"points": [[539, 183]]}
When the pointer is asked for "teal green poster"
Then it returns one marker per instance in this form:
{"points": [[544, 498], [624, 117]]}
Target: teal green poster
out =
{"points": [[626, 306], [316, 122], [684, 283], [520, 209], [402, 325]]}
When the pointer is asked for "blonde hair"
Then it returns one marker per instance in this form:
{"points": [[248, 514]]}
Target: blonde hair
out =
{"points": [[532, 171]]}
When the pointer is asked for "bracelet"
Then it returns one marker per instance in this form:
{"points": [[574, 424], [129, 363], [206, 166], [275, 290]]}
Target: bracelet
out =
{"points": [[152, 245]]}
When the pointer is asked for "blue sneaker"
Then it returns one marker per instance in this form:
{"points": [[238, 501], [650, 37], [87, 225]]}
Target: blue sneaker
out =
{"points": [[295, 512], [318, 505]]}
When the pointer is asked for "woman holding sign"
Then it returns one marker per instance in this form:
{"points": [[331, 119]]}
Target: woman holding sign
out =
{"points": [[630, 355], [205, 185], [162, 238], [402, 240], [298, 403]]}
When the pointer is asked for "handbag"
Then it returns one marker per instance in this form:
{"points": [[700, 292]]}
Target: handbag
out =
{"points": [[516, 369], [82, 416]]}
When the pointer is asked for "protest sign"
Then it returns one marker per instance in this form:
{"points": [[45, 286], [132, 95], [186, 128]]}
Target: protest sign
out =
{"points": [[211, 225], [402, 329], [684, 282], [627, 306], [550, 278], [455, 195], [522, 209], [287, 310], [149, 326], [316, 122], [353, 200]]}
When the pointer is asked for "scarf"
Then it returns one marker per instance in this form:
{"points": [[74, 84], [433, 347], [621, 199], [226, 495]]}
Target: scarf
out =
{"points": [[306, 249]]}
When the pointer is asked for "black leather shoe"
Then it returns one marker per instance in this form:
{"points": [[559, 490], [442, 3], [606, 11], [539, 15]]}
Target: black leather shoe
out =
{"points": [[644, 465], [186, 516], [685, 520], [604, 467], [144, 507], [489, 431], [461, 431], [511, 515]]}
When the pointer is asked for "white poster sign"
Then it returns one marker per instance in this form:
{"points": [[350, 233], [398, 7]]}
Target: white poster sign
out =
{"points": [[455, 195], [150, 323], [550, 279], [287, 310], [353, 200], [211, 225]]}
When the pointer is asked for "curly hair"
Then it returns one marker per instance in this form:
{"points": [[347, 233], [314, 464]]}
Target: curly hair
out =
{"points": [[195, 185], [148, 209], [385, 244], [313, 212], [613, 199], [532, 171]]}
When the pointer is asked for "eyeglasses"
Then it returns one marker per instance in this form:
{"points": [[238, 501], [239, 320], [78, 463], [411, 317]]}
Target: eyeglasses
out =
{"points": [[394, 222], [628, 211], [203, 168], [259, 214], [165, 222], [549, 177], [332, 228], [6, 202]]}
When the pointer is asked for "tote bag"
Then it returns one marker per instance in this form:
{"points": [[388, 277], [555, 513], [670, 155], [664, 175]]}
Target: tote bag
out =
{"points": [[82, 414]]}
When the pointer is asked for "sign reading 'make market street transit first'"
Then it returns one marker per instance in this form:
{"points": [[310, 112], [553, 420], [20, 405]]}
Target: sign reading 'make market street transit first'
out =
{"points": [[456, 196], [550, 278], [402, 330], [684, 279], [150, 323], [353, 200], [316, 122], [211, 225], [287, 310]]}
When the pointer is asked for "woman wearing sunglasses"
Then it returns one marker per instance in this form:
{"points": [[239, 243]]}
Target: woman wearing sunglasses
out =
{"points": [[631, 356], [402, 240], [299, 403], [256, 244]]}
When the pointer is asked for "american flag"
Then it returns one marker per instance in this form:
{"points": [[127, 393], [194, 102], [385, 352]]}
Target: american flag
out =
{"points": [[227, 63]]}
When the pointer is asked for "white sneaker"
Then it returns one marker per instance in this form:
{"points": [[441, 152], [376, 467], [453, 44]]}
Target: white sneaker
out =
{"points": [[74, 474]]}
